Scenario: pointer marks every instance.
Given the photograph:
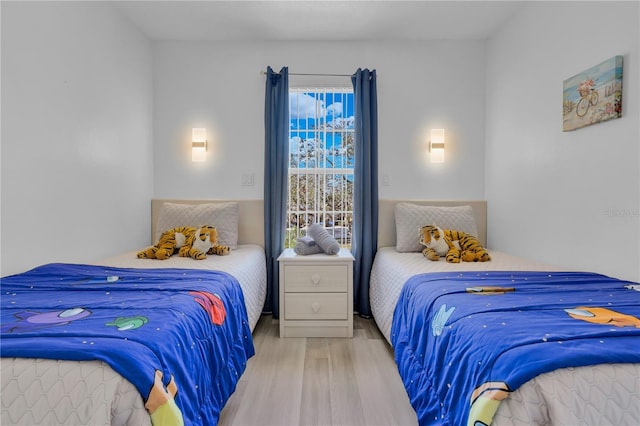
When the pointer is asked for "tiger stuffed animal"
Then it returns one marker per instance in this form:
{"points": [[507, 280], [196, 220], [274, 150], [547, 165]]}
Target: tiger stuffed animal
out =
{"points": [[454, 245], [190, 242]]}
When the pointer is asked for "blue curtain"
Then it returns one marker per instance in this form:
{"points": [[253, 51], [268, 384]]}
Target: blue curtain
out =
{"points": [[276, 129], [365, 192]]}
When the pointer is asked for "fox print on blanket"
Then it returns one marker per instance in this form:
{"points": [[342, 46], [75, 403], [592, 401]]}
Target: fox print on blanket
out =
{"points": [[453, 245], [188, 241]]}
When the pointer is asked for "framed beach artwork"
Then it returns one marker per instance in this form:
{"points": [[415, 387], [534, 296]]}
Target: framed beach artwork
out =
{"points": [[593, 96]]}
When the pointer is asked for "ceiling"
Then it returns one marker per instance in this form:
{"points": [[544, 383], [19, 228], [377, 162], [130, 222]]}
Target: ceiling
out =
{"points": [[330, 20]]}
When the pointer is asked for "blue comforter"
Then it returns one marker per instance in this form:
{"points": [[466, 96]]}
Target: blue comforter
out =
{"points": [[464, 341], [181, 337]]}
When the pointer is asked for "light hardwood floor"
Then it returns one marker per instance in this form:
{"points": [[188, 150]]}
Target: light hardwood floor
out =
{"points": [[319, 381]]}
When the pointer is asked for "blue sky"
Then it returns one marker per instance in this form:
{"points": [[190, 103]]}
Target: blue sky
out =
{"points": [[328, 106], [313, 111]]}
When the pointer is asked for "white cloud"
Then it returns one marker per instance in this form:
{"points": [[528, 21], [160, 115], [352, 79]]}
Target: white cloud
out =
{"points": [[294, 143], [335, 109], [301, 106]]}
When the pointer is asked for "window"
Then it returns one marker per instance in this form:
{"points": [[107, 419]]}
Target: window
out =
{"points": [[321, 161]]}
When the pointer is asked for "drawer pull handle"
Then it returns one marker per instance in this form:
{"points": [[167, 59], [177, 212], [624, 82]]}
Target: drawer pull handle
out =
{"points": [[315, 307], [315, 279]]}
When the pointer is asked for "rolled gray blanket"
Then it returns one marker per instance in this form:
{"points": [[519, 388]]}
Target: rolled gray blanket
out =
{"points": [[306, 245], [327, 243], [307, 241]]}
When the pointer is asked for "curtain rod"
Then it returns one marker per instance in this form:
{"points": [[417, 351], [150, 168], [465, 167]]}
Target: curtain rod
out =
{"points": [[309, 74]]}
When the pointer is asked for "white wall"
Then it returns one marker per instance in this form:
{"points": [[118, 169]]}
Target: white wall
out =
{"points": [[77, 162], [568, 198], [219, 86], [96, 121]]}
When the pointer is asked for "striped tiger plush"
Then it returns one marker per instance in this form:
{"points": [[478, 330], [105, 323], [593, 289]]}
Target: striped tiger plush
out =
{"points": [[454, 245], [190, 242]]}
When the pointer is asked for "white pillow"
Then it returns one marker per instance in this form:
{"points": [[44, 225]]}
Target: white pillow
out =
{"points": [[224, 216], [411, 217]]}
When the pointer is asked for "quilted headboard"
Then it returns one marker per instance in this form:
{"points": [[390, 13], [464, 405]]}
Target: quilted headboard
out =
{"points": [[250, 223], [387, 224]]}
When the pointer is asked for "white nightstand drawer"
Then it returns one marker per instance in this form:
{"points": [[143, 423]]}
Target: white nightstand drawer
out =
{"points": [[316, 278], [316, 306]]}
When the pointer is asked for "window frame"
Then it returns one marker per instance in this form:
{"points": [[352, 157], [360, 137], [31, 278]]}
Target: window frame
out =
{"points": [[327, 167]]}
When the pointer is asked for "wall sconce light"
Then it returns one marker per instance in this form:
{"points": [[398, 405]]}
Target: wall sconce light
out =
{"points": [[436, 145], [198, 144]]}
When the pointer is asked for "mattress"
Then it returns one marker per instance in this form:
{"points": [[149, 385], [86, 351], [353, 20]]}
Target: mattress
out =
{"points": [[391, 269], [596, 395], [44, 391], [246, 263]]}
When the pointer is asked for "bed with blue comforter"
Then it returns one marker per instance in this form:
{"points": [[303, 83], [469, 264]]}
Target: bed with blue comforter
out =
{"points": [[464, 341], [180, 336]]}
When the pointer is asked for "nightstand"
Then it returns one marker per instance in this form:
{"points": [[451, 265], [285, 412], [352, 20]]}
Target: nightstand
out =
{"points": [[316, 294]]}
